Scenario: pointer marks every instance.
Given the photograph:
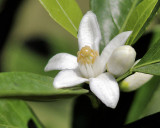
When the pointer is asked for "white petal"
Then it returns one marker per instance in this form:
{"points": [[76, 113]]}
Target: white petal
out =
{"points": [[137, 61], [68, 78], [89, 32], [121, 60], [62, 61], [134, 81], [105, 87], [117, 41], [98, 66]]}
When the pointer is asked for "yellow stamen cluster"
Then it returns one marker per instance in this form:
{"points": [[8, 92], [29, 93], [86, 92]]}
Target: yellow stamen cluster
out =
{"points": [[87, 55]]}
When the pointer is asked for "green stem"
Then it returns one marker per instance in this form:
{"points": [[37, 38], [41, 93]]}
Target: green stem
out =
{"points": [[124, 76]]}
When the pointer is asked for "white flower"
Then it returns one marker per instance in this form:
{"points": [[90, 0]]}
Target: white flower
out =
{"points": [[89, 67]]}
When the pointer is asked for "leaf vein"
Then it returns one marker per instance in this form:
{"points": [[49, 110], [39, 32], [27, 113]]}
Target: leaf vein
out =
{"points": [[66, 15]]}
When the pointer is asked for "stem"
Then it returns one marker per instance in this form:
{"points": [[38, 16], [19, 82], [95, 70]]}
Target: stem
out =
{"points": [[124, 76]]}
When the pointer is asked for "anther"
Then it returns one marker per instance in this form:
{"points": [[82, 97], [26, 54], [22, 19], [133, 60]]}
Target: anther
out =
{"points": [[87, 55]]}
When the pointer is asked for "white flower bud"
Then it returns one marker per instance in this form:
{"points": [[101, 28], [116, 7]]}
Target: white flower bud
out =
{"points": [[121, 60], [134, 81]]}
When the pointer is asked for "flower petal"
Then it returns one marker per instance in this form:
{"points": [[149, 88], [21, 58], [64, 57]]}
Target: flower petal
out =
{"points": [[105, 87], [89, 32], [68, 78], [62, 61], [121, 60], [117, 41], [134, 81]]}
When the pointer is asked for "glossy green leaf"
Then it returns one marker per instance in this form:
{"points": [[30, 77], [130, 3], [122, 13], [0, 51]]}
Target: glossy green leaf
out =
{"points": [[33, 87], [122, 15], [112, 16], [17, 114], [142, 99], [65, 12], [150, 63], [153, 69], [140, 18]]}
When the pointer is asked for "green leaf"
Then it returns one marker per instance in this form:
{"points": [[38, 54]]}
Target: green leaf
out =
{"points": [[153, 69], [142, 99], [33, 87], [140, 19], [117, 16], [150, 63], [16, 114], [65, 12], [112, 16], [154, 105]]}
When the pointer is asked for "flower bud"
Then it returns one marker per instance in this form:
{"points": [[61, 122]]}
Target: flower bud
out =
{"points": [[134, 81], [121, 60]]}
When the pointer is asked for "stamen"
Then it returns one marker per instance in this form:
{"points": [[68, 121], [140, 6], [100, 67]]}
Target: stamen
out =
{"points": [[87, 55]]}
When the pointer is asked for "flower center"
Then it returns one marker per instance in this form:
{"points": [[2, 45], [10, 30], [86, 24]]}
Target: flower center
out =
{"points": [[87, 55]]}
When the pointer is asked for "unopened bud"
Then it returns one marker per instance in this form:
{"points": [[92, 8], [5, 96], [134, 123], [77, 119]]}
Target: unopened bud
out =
{"points": [[134, 81], [121, 60]]}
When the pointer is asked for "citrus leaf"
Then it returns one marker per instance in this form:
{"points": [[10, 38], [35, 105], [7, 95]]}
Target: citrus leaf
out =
{"points": [[140, 19], [117, 16], [112, 16], [33, 87], [150, 63], [153, 69], [65, 12], [17, 114]]}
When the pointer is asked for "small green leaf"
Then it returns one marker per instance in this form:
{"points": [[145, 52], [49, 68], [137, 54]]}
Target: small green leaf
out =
{"points": [[140, 18], [33, 87], [16, 114], [65, 12], [150, 63]]}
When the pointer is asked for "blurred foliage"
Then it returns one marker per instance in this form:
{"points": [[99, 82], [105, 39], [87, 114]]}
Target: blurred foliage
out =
{"points": [[57, 114], [31, 43], [142, 99], [1, 4], [156, 33], [17, 114]]}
